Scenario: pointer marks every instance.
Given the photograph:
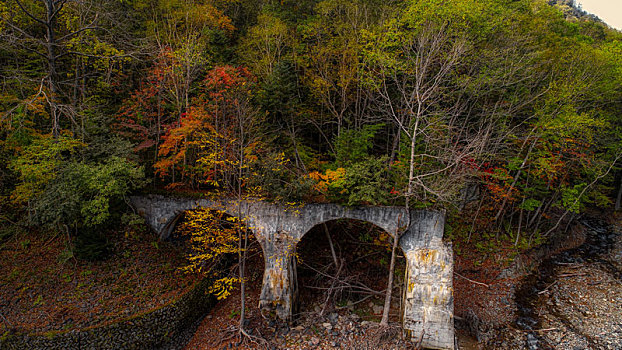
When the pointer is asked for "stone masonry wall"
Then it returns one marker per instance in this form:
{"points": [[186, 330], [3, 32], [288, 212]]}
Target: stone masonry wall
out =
{"points": [[144, 331]]}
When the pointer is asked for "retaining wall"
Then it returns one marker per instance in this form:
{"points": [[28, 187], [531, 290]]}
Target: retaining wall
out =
{"points": [[147, 330]]}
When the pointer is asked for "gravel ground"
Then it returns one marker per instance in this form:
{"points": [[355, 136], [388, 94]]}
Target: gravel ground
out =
{"points": [[340, 331], [583, 310]]}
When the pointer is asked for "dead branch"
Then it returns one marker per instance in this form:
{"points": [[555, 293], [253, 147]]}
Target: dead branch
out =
{"points": [[356, 302], [331, 290], [470, 280], [546, 289], [332, 248], [342, 283]]}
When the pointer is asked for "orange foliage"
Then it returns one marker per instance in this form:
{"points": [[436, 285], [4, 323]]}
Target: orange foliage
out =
{"points": [[323, 181], [203, 142]]}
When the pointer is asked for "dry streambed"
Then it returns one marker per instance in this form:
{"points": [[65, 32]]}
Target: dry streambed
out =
{"points": [[574, 300]]}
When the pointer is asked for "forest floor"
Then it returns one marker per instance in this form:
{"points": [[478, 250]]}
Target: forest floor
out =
{"points": [[44, 288]]}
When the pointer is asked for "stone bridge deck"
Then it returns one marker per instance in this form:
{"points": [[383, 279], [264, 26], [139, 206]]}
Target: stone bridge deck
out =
{"points": [[428, 306]]}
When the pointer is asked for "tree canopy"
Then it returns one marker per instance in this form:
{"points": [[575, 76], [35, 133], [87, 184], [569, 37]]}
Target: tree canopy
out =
{"points": [[361, 102]]}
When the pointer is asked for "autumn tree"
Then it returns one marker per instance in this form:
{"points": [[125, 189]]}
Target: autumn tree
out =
{"points": [[209, 142], [213, 237], [142, 117], [62, 60], [182, 50], [184, 31], [331, 60], [267, 43]]}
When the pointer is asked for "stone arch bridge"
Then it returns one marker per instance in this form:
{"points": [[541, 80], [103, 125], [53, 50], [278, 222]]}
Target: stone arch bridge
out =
{"points": [[428, 307]]}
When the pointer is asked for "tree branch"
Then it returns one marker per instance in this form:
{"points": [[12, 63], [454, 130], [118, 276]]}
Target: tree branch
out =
{"points": [[19, 3]]}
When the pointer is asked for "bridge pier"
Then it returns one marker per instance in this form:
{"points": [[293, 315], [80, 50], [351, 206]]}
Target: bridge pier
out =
{"points": [[279, 292], [428, 297]]}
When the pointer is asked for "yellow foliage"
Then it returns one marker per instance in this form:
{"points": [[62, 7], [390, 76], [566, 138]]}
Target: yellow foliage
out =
{"points": [[222, 287], [213, 234]]}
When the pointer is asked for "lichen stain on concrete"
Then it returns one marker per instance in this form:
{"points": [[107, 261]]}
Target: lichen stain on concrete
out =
{"points": [[425, 257], [276, 281], [441, 295]]}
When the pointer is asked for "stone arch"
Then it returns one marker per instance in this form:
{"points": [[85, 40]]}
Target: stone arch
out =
{"points": [[428, 310], [162, 213], [171, 224], [337, 240], [391, 219]]}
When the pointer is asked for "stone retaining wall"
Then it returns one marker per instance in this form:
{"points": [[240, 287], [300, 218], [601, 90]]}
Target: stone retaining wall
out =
{"points": [[144, 331]]}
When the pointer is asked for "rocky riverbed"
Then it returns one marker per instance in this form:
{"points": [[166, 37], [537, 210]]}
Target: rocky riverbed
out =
{"points": [[574, 299], [338, 329]]}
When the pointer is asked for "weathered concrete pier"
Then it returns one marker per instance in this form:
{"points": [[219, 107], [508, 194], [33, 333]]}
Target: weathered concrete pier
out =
{"points": [[428, 310]]}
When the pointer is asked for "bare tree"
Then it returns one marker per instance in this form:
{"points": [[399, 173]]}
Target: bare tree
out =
{"points": [[618, 205], [44, 37], [74, 40], [417, 92], [412, 97]]}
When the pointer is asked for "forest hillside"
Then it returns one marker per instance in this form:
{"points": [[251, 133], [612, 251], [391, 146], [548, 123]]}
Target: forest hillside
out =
{"points": [[507, 114]]}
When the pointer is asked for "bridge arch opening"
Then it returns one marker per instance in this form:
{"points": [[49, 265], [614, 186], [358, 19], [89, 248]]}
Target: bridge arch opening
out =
{"points": [[343, 268]]}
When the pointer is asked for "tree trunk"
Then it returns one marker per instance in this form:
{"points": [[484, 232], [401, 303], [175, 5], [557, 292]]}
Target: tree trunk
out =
{"points": [[332, 248], [387, 298], [242, 252], [411, 170], [619, 198], [242, 262], [394, 148], [520, 223], [51, 58]]}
